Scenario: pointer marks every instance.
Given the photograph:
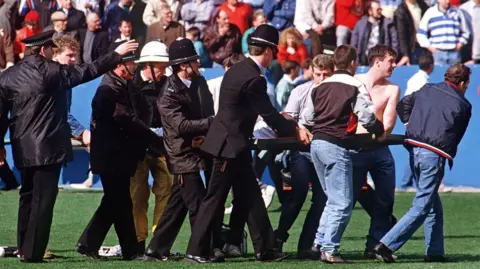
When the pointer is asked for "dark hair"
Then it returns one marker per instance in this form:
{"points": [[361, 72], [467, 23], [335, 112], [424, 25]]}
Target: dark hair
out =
{"points": [[458, 73], [122, 20], [256, 50], [234, 59], [194, 31], [32, 50], [307, 63], [288, 66], [343, 56], [425, 61], [323, 61], [368, 5], [380, 52]]}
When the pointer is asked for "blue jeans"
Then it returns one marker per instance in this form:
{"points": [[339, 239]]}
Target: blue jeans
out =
{"points": [[381, 166], [428, 169], [447, 57], [334, 169]]}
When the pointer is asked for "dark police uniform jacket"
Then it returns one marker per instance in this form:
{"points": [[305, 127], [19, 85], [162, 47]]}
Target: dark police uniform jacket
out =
{"points": [[121, 117], [243, 98], [34, 91]]}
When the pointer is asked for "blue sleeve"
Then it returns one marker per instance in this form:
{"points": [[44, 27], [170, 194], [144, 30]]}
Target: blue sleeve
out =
{"points": [[75, 126]]}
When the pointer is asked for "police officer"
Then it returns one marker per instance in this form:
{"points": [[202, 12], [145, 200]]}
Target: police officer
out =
{"points": [[186, 108], [34, 91], [120, 126], [150, 79], [243, 98]]}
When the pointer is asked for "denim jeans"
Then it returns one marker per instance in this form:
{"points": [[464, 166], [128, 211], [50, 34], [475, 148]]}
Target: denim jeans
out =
{"points": [[303, 172], [381, 166], [334, 169], [428, 169], [447, 57]]}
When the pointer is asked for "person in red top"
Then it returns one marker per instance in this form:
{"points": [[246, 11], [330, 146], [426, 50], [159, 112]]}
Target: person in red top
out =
{"points": [[31, 27], [291, 47], [238, 13], [347, 13]]}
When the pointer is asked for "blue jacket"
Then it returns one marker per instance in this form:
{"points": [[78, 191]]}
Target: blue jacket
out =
{"points": [[437, 117], [280, 13]]}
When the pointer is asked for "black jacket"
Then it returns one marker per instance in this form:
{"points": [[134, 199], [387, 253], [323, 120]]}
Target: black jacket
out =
{"points": [[186, 113], [405, 27], [437, 116], [76, 19], [244, 97], [121, 117], [100, 43], [34, 91]]}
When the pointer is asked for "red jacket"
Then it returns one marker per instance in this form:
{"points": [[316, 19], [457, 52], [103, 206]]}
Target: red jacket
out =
{"points": [[299, 56], [241, 17], [344, 15], [18, 46]]}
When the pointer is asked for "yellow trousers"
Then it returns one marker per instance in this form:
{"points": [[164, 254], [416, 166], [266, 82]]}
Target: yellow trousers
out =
{"points": [[140, 192]]}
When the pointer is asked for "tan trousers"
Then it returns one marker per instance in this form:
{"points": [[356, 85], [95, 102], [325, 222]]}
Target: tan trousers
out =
{"points": [[140, 193]]}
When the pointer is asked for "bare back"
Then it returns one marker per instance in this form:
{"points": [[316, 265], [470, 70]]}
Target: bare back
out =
{"points": [[385, 96]]}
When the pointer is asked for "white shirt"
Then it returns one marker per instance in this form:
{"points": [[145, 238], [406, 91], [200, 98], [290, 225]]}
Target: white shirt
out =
{"points": [[187, 82], [417, 81], [214, 87], [262, 69], [416, 13]]}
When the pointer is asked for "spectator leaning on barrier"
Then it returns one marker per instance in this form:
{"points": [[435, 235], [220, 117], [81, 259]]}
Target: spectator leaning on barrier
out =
{"points": [[407, 19], [280, 13], [472, 15], [6, 50], [93, 40], [443, 31], [258, 19], [373, 29], [222, 39], [31, 27], [197, 13], [166, 29]]}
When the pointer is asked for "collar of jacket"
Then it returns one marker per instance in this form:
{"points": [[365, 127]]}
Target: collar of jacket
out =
{"points": [[34, 58], [256, 66], [118, 81], [177, 84], [344, 72], [457, 89], [120, 4]]}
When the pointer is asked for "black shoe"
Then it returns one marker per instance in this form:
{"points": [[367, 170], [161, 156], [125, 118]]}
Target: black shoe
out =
{"points": [[309, 254], [332, 259], [151, 255], [218, 255], [141, 247], [278, 245], [132, 257], [32, 260], [81, 249], [436, 258], [196, 259], [270, 256], [385, 253]]}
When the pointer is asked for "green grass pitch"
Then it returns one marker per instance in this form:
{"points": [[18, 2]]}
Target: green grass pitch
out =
{"points": [[73, 211]]}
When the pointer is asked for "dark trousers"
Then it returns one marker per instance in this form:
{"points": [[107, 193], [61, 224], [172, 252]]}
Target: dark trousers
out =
{"points": [[186, 196], [35, 211], [8, 177], [115, 208], [303, 172], [238, 175], [274, 169]]}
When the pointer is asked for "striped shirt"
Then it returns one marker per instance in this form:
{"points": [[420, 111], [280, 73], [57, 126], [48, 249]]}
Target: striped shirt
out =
{"points": [[443, 30]]}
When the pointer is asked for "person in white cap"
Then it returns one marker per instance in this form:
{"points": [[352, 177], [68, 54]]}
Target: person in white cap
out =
{"points": [[150, 79]]}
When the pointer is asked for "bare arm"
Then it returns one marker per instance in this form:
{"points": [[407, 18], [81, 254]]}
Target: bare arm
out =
{"points": [[390, 114]]}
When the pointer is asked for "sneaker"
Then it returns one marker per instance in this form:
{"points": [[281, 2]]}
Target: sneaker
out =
{"points": [[218, 255], [267, 194], [332, 258], [370, 254], [232, 251], [310, 254], [228, 210], [271, 256]]}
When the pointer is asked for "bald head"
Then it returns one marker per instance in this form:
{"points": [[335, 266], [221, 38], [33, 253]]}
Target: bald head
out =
{"points": [[93, 22]]}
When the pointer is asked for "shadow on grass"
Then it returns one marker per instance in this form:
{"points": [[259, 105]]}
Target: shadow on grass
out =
{"points": [[415, 238], [415, 258]]}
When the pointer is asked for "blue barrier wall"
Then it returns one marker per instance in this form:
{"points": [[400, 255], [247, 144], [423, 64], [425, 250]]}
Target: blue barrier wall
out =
{"points": [[468, 155]]}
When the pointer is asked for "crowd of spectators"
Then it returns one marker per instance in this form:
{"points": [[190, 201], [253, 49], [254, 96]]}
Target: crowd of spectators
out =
{"points": [[448, 29]]}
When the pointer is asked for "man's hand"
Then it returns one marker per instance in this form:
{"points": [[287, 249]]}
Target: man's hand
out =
{"points": [[127, 47], [197, 141], [383, 137], [87, 5], [404, 61], [86, 137], [459, 46], [432, 49], [304, 136], [224, 30], [319, 29], [3, 156]]}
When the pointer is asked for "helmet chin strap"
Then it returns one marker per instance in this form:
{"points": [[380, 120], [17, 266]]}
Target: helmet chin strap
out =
{"points": [[150, 65], [128, 71]]}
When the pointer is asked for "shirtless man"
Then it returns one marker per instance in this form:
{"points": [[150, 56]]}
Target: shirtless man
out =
{"points": [[378, 161]]}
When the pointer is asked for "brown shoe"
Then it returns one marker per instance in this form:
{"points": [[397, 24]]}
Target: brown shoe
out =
{"points": [[332, 258], [48, 255]]}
